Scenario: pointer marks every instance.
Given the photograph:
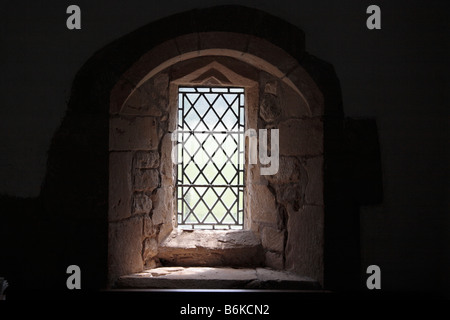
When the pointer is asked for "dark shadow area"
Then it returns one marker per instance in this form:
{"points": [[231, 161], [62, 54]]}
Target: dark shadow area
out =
{"points": [[352, 178]]}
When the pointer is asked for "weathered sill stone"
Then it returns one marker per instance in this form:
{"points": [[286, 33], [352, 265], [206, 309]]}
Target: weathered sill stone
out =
{"points": [[216, 278], [207, 248]]}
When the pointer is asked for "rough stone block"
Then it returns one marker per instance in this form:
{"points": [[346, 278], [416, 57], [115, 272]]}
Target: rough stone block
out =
{"points": [[164, 230], [141, 103], [271, 87], [270, 107], [272, 239], [149, 99], [284, 280], [152, 263], [160, 91], [274, 260], [146, 179], [162, 206], [120, 189], [290, 170], [137, 133], [216, 278], [146, 159], [292, 194], [193, 277], [262, 204], [212, 248], [141, 203], [304, 247], [150, 248], [167, 166], [301, 137], [148, 226], [125, 247], [254, 174]]}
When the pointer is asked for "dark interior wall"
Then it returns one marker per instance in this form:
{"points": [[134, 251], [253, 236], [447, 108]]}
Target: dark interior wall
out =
{"points": [[397, 75]]}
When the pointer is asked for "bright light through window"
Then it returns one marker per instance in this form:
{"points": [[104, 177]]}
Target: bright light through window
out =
{"points": [[210, 175]]}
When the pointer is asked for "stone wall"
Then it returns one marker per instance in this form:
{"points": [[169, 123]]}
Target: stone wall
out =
{"points": [[79, 225], [283, 211], [136, 207], [287, 208]]}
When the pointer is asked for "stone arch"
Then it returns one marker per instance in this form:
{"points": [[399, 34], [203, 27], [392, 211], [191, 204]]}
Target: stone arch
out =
{"points": [[78, 170], [143, 93], [254, 51]]}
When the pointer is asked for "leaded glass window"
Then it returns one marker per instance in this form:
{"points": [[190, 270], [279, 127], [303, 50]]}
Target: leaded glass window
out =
{"points": [[210, 170]]}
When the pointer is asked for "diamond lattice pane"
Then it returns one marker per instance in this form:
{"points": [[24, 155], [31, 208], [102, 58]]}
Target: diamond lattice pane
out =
{"points": [[210, 153]]}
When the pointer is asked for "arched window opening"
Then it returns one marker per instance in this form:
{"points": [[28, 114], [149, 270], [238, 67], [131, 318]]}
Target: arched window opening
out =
{"points": [[210, 169], [212, 207]]}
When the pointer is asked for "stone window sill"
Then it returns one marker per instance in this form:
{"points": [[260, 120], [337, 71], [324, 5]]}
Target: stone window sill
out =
{"points": [[235, 248], [216, 278]]}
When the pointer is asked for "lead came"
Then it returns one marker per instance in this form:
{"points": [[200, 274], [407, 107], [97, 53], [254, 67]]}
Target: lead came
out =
{"points": [[210, 182]]}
